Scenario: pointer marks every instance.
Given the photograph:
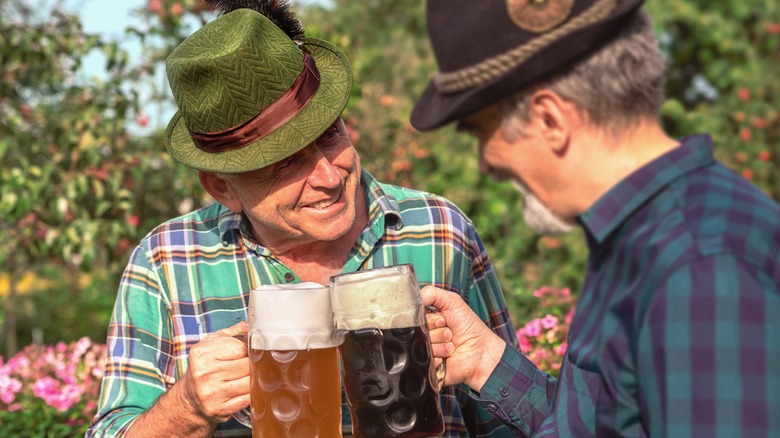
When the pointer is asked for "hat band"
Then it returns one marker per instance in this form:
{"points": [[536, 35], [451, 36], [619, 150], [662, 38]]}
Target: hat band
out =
{"points": [[491, 68], [269, 119]]}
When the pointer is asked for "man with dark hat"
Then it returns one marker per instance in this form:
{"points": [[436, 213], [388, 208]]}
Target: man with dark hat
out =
{"points": [[676, 329], [259, 118]]}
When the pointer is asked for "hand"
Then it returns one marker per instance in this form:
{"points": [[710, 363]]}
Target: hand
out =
{"points": [[441, 337], [471, 349], [217, 380]]}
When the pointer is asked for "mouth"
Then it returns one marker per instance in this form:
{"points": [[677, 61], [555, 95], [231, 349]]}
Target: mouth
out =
{"points": [[324, 204]]}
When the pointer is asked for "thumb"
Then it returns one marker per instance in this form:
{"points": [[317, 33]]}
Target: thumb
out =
{"points": [[238, 330], [439, 298]]}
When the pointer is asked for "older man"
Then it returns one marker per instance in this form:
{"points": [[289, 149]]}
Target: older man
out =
{"points": [[259, 118], [676, 330]]}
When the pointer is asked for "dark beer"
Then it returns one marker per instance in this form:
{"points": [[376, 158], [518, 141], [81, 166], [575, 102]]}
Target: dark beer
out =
{"points": [[391, 383], [295, 393]]}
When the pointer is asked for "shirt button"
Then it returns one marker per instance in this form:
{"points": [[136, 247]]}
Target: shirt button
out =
{"points": [[504, 392], [224, 243], [491, 409], [288, 277]]}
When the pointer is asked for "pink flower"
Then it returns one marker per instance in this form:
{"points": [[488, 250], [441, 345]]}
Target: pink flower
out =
{"points": [[81, 347], [549, 322], [533, 328], [142, 120], [9, 387], [561, 349], [45, 387], [525, 344], [542, 291]]}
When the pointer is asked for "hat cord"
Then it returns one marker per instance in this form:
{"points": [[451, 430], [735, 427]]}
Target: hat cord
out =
{"points": [[491, 68]]}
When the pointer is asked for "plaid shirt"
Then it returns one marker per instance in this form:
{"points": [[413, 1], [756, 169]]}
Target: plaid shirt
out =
{"points": [[677, 329], [192, 275]]}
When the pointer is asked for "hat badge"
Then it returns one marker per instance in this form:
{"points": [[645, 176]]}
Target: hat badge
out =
{"points": [[538, 15]]}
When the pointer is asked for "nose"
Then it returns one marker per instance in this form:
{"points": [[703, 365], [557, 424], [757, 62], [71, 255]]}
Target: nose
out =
{"points": [[484, 167], [325, 174]]}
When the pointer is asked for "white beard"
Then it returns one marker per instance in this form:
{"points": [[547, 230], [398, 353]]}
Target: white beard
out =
{"points": [[537, 216]]}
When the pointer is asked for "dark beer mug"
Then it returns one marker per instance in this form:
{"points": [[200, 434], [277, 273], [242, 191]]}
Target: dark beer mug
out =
{"points": [[388, 367], [295, 379]]}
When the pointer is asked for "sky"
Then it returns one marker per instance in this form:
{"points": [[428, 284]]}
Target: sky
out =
{"points": [[110, 19]]}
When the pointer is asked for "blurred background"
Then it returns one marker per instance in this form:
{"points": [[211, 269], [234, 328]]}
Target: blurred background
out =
{"points": [[83, 107]]}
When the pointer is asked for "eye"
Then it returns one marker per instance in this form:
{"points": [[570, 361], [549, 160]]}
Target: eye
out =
{"points": [[288, 162], [330, 136]]}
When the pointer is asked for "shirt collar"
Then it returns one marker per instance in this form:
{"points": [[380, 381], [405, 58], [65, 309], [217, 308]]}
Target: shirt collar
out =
{"points": [[382, 208], [630, 194]]}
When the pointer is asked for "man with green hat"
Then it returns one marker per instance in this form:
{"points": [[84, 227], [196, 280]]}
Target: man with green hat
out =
{"points": [[676, 329], [259, 118]]}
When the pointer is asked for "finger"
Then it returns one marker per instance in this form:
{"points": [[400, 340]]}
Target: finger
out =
{"points": [[223, 348], [441, 335], [213, 349], [435, 320], [239, 329], [235, 404], [444, 350]]}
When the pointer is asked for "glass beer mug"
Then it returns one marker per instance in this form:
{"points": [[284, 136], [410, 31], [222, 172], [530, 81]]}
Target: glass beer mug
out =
{"points": [[388, 367], [295, 379]]}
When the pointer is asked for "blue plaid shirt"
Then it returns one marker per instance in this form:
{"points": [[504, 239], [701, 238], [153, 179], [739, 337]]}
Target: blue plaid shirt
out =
{"points": [[677, 328]]}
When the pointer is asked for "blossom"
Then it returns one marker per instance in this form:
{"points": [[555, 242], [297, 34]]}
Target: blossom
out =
{"points": [[9, 387], [549, 322], [533, 328], [64, 377]]}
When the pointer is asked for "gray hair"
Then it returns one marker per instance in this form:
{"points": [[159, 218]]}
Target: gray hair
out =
{"points": [[613, 87]]}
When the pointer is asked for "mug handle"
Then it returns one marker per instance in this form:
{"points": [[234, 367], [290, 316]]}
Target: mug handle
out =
{"points": [[243, 416]]}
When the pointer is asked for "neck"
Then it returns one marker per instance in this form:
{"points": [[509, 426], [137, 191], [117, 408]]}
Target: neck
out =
{"points": [[319, 260], [605, 159]]}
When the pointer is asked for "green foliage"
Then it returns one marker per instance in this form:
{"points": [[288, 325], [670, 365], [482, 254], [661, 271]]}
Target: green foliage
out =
{"points": [[78, 186], [734, 48]]}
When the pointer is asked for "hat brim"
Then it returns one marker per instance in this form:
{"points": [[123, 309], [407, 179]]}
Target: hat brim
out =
{"points": [[319, 113], [435, 109]]}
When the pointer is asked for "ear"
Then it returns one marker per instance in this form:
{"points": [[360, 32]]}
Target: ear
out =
{"points": [[220, 190], [554, 118]]}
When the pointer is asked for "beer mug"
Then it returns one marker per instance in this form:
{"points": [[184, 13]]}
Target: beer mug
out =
{"points": [[388, 367], [295, 379]]}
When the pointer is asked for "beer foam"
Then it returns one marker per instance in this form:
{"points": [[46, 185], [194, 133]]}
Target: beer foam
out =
{"points": [[377, 298], [291, 317]]}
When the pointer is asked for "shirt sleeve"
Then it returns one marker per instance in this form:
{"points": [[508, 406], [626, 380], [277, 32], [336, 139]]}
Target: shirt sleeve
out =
{"points": [[518, 393], [708, 352], [139, 361], [487, 300]]}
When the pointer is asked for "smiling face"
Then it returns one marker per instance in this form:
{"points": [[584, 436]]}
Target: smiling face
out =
{"points": [[311, 196]]}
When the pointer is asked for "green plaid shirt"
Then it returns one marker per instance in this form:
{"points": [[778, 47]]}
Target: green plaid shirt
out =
{"points": [[192, 275]]}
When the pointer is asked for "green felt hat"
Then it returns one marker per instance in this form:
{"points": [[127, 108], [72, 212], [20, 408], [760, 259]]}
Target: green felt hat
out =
{"points": [[250, 96]]}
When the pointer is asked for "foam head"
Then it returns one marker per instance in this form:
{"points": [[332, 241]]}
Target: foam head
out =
{"points": [[377, 298], [291, 317]]}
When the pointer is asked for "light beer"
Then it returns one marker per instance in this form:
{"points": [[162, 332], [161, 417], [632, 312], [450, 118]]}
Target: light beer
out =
{"points": [[389, 375], [295, 393], [295, 385]]}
